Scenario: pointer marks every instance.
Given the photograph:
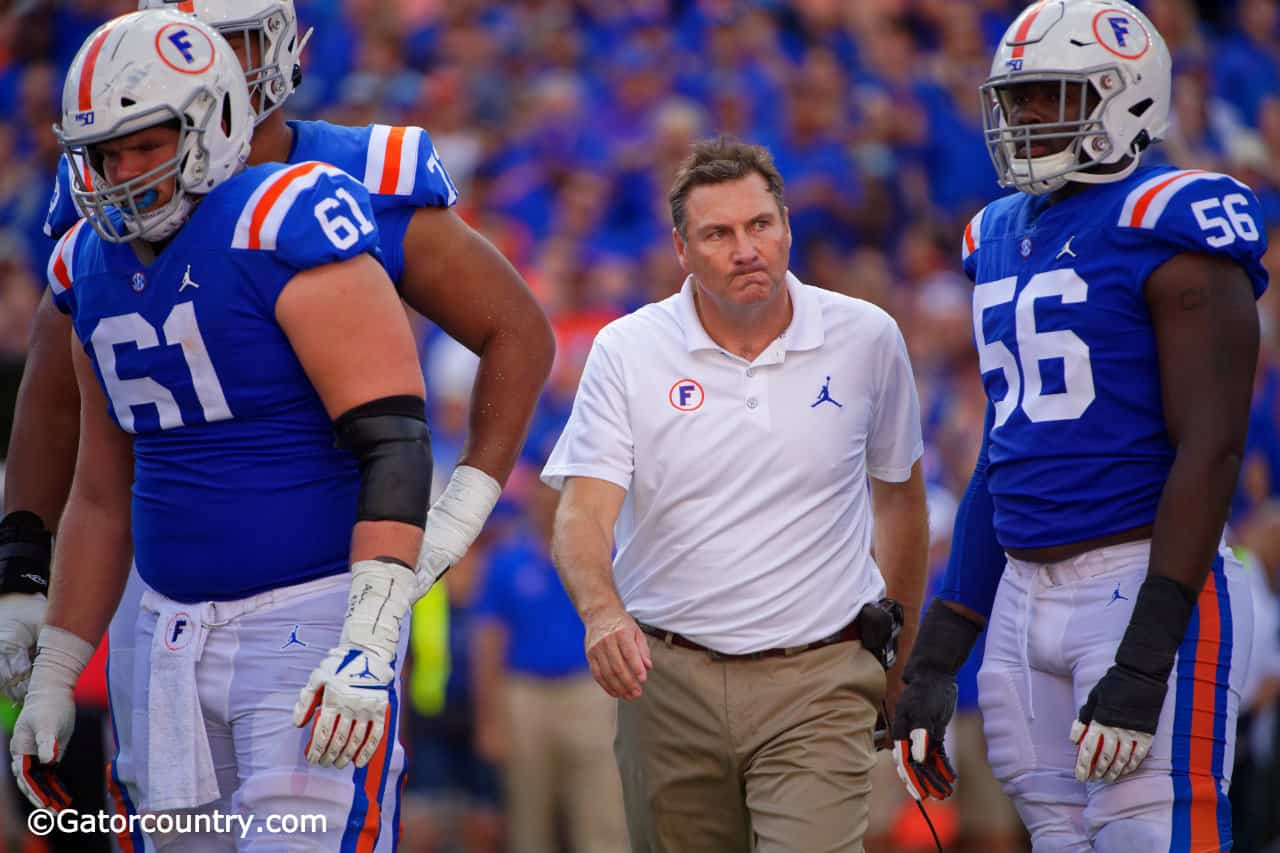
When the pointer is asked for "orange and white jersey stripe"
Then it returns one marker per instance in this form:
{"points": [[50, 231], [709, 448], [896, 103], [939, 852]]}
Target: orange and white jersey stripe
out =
{"points": [[258, 226], [60, 261], [972, 235], [1148, 200], [391, 165]]}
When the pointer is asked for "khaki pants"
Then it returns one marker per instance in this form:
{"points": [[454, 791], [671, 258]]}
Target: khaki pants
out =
{"points": [[773, 755], [559, 764]]}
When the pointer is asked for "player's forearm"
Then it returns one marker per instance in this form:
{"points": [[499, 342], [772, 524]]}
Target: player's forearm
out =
{"points": [[46, 422], [90, 567], [581, 548], [514, 365], [1192, 511], [373, 539]]}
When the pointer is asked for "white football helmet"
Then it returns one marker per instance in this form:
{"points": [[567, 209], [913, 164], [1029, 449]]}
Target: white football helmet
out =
{"points": [[138, 71], [1122, 68], [274, 52]]}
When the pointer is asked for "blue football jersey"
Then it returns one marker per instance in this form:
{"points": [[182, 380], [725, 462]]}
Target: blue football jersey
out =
{"points": [[1078, 446], [237, 484], [397, 165]]}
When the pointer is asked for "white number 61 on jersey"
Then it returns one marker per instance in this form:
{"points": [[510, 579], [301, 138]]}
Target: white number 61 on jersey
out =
{"points": [[341, 232]]}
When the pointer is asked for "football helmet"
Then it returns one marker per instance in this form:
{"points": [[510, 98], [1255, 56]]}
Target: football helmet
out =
{"points": [[273, 50], [138, 71], [1121, 67]]}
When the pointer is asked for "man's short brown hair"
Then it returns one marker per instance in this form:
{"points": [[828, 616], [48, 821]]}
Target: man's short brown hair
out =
{"points": [[716, 161]]}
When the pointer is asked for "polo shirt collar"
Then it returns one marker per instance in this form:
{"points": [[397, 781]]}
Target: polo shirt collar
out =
{"points": [[806, 331]]}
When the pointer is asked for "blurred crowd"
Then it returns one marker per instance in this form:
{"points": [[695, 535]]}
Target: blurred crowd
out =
{"points": [[562, 123]]}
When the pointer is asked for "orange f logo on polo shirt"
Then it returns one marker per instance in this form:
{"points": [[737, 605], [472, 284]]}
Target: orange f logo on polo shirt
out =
{"points": [[686, 395]]}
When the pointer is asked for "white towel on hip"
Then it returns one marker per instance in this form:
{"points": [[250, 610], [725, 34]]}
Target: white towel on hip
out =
{"points": [[179, 762]]}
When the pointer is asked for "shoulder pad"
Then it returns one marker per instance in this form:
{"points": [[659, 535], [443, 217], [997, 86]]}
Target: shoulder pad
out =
{"points": [[61, 267], [402, 161]]}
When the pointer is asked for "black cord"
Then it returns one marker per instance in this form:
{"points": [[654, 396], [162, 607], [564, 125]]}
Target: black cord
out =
{"points": [[884, 712]]}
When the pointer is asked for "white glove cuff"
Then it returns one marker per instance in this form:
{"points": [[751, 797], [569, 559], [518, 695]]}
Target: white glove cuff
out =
{"points": [[455, 520], [60, 658], [381, 595]]}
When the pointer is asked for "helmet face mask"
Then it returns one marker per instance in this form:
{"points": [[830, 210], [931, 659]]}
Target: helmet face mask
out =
{"points": [[1112, 73], [130, 75]]}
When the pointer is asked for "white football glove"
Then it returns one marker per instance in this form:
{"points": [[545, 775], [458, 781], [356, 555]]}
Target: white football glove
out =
{"points": [[1105, 753], [349, 693], [21, 615], [454, 522], [48, 717]]}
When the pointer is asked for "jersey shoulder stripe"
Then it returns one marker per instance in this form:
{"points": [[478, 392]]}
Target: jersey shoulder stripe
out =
{"points": [[262, 215], [972, 235], [1148, 200], [392, 158], [60, 261]]}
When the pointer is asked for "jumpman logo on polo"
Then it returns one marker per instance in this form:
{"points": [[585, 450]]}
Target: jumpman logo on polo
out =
{"points": [[1116, 596], [824, 396], [293, 639]]}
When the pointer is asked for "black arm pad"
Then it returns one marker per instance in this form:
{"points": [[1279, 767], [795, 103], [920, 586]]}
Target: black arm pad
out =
{"points": [[1156, 628], [26, 549], [389, 437], [943, 644]]}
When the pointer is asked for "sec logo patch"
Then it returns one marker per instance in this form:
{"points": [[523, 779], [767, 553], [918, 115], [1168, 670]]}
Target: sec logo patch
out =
{"points": [[686, 395]]}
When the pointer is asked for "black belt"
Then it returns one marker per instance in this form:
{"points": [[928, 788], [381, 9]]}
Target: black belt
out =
{"points": [[847, 634]]}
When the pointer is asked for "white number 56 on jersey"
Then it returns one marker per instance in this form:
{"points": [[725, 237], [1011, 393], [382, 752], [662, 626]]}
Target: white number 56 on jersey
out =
{"points": [[1024, 380]]}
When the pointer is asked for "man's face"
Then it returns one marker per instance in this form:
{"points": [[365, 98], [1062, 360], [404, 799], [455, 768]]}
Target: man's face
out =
{"points": [[127, 157], [738, 241], [1036, 103]]}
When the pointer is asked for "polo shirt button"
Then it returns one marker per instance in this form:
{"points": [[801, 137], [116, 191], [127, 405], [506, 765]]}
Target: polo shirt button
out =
{"points": [[751, 371], [752, 402]]}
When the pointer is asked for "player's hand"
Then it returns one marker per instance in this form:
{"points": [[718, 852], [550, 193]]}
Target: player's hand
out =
{"points": [[21, 615], [349, 698], [39, 740], [919, 724], [349, 693], [1116, 725], [48, 717], [618, 653]]}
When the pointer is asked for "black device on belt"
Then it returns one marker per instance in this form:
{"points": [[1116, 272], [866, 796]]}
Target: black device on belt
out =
{"points": [[879, 624]]}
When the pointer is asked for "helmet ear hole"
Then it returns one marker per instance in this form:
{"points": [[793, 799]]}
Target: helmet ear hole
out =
{"points": [[226, 115], [1141, 107], [127, 102]]}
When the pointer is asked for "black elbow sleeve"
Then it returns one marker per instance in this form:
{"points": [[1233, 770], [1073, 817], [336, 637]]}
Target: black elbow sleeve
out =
{"points": [[389, 437]]}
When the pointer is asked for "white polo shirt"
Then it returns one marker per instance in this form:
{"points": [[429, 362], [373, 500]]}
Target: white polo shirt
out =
{"points": [[747, 521]]}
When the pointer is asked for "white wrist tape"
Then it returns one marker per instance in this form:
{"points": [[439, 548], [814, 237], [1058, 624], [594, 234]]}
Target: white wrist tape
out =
{"points": [[60, 658], [454, 522], [381, 595]]}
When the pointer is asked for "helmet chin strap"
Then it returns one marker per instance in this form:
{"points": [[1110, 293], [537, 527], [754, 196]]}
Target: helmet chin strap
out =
{"points": [[1087, 177]]}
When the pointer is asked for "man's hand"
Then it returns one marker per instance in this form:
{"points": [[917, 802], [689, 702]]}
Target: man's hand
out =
{"points": [[351, 688], [618, 653], [48, 717], [1115, 727], [349, 696], [919, 725], [21, 615], [26, 548]]}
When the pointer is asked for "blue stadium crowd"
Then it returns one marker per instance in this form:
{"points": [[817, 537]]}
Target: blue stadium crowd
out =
{"points": [[562, 123]]}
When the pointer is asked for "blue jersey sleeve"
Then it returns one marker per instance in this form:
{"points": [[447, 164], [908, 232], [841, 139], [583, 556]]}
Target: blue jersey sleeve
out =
{"points": [[1193, 211], [62, 208], [60, 271], [970, 241], [402, 162], [301, 217], [976, 561]]}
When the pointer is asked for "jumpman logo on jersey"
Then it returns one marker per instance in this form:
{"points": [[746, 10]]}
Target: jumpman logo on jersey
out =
{"points": [[293, 639], [1066, 248], [186, 280], [1116, 596], [824, 396]]}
